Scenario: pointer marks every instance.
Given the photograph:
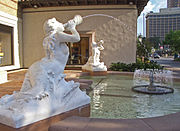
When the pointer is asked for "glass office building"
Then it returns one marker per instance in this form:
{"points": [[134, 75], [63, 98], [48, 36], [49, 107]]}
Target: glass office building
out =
{"points": [[173, 3], [160, 24]]}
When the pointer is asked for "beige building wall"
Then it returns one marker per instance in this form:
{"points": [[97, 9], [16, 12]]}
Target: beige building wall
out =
{"points": [[9, 6], [119, 35]]}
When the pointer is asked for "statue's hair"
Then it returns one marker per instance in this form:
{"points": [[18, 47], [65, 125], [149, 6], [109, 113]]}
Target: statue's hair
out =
{"points": [[49, 46], [101, 41]]}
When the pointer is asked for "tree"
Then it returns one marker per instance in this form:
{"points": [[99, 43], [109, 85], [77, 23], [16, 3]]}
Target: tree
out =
{"points": [[155, 41], [148, 44], [173, 39], [140, 50], [144, 46]]}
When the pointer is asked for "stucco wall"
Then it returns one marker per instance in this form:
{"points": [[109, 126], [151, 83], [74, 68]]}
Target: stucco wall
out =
{"points": [[119, 36], [120, 39]]}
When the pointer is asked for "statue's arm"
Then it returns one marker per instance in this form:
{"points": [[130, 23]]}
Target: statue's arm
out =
{"points": [[64, 37], [101, 47]]}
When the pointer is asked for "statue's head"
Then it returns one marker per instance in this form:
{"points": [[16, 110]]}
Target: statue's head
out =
{"points": [[52, 25], [101, 42]]}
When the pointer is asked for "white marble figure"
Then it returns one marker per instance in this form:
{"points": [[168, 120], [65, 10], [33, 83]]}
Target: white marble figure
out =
{"points": [[93, 63], [44, 92]]}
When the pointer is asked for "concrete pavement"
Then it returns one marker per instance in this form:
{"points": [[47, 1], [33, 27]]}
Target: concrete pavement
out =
{"points": [[170, 64]]}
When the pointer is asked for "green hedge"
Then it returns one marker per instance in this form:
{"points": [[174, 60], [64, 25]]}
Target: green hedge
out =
{"points": [[177, 59], [131, 67]]}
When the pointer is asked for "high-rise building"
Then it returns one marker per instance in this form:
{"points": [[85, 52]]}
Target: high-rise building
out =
{"points": [[160, 24], [173, 3]]}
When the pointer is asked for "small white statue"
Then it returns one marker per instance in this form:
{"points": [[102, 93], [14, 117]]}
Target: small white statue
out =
{"points": [[44, 92], [96, 52], [93, 63]]}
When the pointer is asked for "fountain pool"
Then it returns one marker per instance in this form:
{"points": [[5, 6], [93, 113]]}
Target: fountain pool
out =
{"points": [[112, 97]]}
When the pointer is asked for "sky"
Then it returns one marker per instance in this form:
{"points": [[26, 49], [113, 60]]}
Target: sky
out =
{"points": [[152, 5]]}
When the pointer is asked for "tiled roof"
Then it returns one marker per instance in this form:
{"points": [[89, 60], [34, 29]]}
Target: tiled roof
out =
{"points": [[51, 3]]}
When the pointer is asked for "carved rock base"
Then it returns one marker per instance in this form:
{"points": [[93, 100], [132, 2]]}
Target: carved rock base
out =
{"points": [[96, 73], [43, 125]]}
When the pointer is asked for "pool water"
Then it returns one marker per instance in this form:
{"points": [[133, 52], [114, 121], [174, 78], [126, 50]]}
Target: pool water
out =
{"points": [[112, 97]]}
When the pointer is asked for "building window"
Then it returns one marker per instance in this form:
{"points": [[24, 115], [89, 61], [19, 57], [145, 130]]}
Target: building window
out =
{"points": [[6, 45], [79, 52]]}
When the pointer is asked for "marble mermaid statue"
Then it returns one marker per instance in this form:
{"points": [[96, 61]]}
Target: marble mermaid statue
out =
{"points": [[93, 63], [45, 92]]}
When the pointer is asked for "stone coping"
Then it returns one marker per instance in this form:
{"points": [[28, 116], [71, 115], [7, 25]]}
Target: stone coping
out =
{"points": [[175, 79], [162, 123], [95, 73]]}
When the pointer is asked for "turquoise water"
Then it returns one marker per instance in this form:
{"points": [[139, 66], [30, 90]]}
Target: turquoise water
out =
{"points": [[112, 97]]}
